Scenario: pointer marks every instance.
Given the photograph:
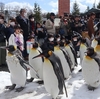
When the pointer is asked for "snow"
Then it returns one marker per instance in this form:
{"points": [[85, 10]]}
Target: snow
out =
{"points": [[76, 88]]}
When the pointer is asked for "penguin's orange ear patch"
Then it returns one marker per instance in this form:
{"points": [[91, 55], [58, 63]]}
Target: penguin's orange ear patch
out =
{"points": [[97, 48], [50, 53], [15, 47], [88, 58]]}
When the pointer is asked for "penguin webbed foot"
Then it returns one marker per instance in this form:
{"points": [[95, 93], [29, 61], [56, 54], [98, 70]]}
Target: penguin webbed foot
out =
{"points": [[30, 80], [12, 87], [80, 70], [61, 92], [91, 88], [40, 82], [19, 89]]}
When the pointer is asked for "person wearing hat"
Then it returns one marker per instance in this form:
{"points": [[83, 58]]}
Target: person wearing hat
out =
{"points": [[48, 43], [49, 25], [90, 25]]}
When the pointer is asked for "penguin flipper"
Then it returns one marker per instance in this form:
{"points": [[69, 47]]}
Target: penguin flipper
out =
{"points": [[98, 61], [24, 64], [59, 76]]}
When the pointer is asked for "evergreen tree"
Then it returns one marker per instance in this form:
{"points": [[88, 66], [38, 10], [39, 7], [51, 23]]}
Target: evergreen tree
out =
{"points": [[94, 5], [37, 12], [98, 6], [87, 8], [76, 9], [48, 15]]}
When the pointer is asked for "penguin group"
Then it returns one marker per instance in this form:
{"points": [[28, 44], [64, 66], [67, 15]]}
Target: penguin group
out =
{"points": [[53, 62]]}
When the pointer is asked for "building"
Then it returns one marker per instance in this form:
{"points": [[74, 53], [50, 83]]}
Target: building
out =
{"points": [[63, 7]]}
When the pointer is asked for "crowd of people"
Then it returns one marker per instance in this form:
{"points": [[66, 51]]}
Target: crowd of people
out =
{"points": [[22, 30]]}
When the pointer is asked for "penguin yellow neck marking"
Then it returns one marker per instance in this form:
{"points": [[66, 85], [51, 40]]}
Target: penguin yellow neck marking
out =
{"points": [[9, 54], [97, 48], [46, 59], [66, 45], [33, 49], [82, 45], [56, 48], [88, 58]]}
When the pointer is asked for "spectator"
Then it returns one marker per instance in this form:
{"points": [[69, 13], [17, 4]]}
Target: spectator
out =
{"points": [[2, 42], [16, 39], [90, 25], [32, 23], [65, 27], [48, 43], [49, 25], [24, 24], [40, 34], [76, 25], [10, 27]]}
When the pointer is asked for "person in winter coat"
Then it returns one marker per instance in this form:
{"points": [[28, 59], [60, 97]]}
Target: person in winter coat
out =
{"points": [[2, 42]]}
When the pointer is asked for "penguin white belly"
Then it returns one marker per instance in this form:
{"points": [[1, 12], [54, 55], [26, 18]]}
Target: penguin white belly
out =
{"points": [[98, 52], [50, 79], [82, 53], [65, 66], [91, 72], [18, 73], [37, 64], [70, 55], [94, 43], [97, 49]]}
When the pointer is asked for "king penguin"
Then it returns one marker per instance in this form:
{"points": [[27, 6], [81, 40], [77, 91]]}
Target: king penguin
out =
{"points": [[82, 50], [94, 43], [72, 53], [37, 63], [65, 65], [97, 47], [17, 68], [52, 75], [91, 68]]}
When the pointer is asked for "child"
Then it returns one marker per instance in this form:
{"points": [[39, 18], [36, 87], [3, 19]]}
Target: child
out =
{"points": [[16, 39], [29, 43]]}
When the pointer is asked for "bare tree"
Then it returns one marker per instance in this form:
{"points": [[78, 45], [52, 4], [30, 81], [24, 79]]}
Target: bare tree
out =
{"points": [[2, 6]]}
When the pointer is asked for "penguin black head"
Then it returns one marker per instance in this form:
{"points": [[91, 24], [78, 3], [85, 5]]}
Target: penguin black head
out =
{"points": [[50, 37], [61, 44], [83, 40], [10, 48], [46, 53], [35, 45], [90, 51], [67, 41]]}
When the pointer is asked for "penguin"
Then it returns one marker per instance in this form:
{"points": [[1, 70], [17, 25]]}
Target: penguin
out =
{"points": [[94, 43], [82, 50], [17, 67], [62, 47], [52, 75], [97, 47], [65, 65], [91, 68], [72, 53], [36, 63]]}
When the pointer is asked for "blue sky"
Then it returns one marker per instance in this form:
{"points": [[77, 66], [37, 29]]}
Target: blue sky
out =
{"points": [[50, 5]]}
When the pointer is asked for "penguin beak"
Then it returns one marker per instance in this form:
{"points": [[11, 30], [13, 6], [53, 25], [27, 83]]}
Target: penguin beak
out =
{"points": [[3, 47], [40, 55]]}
